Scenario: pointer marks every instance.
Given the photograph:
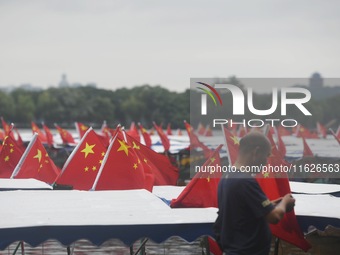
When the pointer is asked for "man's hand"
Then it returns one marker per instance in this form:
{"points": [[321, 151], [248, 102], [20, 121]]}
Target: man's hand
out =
{"points": [[290, 202]]}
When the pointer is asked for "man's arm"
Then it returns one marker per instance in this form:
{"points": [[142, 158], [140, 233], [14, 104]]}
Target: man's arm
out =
{"points": [[285, 205]]}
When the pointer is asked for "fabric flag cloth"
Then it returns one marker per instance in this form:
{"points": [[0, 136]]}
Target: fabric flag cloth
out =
{"points": [[322, 130], [288, 228], [36, 129], [307, 152], [5, 126], [146, 136], [133, 131], [49, 136], [81, 168], [164, 139], [2, 135], [200, 129], [159, 165], [19, 140], [168, 129], [81, 129], [302, 131], [66, 136], [122, 169], [9, 156], [232, 144], [179, 132], [282, 131], [335, 136], [35, 163], [202, 189], [280, 145], [195, 142], [214, 248], [208, 131]]}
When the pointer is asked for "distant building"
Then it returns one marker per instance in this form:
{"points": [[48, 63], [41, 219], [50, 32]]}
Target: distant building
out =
{"points": [[63, 83], [316, 81]]}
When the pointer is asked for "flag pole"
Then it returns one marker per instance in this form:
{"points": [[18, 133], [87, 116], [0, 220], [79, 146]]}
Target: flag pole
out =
{"points": [[24, 156], [103, 163]]}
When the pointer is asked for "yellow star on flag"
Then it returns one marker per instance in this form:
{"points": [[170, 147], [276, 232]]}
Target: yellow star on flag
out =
{"points": [[11, 150], [266, 175], [135, 166], [38, 156], [94, 168], [235, 139], [86, 169], [88, 149], [6, 158], [135, 146], [212, 160], [124, 147]]}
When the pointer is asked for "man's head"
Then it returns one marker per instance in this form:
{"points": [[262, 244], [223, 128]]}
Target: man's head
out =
{"points": [[254, 149]]}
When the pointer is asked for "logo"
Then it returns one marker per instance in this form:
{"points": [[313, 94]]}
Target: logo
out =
{"points": [[204, 97]]}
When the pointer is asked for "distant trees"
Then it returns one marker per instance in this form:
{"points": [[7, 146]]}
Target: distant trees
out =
{"points": [[140, 104], [92, 106]]}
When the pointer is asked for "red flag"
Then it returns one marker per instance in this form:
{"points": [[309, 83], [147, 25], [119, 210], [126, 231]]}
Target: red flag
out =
{"points": [[281, 146], [202, 189], [302, 131], [35, 163], [195, 142], [242, 131], [335, 136], [232, 145], [81, 168], [208, 131], [322, 131], [146, 136], [9, 156], [49, 136], [200, 129], [66, 136], [282, 131], [168, 129], [133, 131], [122, 169], [288, 228], [81, 128], [2, 135], [41, 135], [6, 127], [159, 165], [214, 248], [307, 152], [179, 132], [163, 137]]}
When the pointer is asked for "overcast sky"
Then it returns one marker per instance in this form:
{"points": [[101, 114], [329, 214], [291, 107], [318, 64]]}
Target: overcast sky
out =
{"points": [[125, 43]]}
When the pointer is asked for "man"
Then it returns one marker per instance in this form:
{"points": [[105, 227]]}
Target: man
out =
{"points": [[242, 225]]}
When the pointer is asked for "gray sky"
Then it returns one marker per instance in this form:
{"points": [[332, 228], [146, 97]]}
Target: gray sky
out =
{"points": [[125, 43]]}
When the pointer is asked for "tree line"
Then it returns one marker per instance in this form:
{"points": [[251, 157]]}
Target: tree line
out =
{"points": [[92, 106], [143, 104]]}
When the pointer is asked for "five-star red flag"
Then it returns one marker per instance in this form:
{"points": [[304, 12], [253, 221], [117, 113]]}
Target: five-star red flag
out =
{"points": [[81, 129], [322, 130], [232, 144], [164, 139], [302, 131], [158, 164], [307, 152], [122, 169], [202, 189], [146, 136], [168, 129], [5, 126], [9, 156], [66, 136], [195, 142], [133, 131], [35, 163], [41, 135], [49, 136], [81, 168], [288, 228]]}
